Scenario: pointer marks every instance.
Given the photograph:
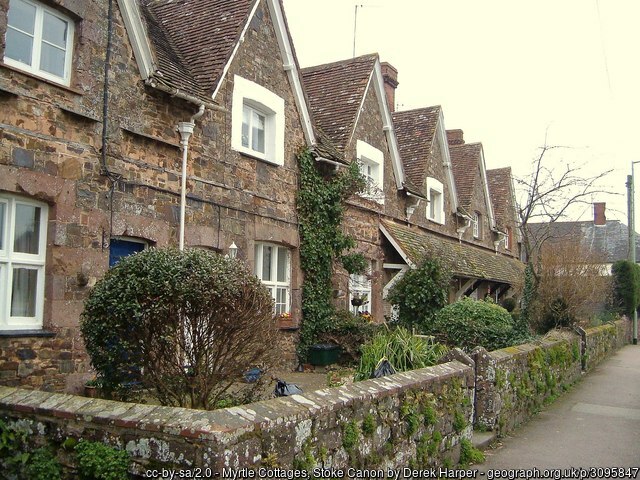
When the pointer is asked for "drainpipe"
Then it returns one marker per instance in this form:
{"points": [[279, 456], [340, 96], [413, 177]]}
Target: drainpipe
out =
{"points": [[186, 130]]}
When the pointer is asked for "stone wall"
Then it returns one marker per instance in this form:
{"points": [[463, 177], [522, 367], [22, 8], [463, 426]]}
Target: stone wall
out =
{"points": [[599, 342], [413, 419], [513, 383]]}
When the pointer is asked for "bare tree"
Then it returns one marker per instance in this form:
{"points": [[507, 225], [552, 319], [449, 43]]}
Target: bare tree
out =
{"points": [[548, 192]]}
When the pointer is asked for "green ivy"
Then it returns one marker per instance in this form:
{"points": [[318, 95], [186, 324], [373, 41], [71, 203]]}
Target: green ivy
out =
{"points": [[321, 204]]}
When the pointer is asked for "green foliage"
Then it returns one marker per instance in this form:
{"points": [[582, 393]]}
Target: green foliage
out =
{"points": [[43, 465], [410, 416], [528, 297], [350, 332], [404, 351], [469, 454], [468, 323], [354, 263], [626, 286], [320, 203], [430, 416], [97, 461], [420, 294], [509, 304], [162, 310], [369, 424], [459, 422], [350, 435], [13, 443]]}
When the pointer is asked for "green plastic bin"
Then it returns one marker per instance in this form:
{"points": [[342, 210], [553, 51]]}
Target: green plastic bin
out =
{"points": [[322, 354]]}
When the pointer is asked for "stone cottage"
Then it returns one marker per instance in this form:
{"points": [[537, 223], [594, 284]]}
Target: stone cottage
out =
{"points": [[101, 104]]}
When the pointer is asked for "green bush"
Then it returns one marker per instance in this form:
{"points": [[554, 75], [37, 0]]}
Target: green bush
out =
{"points": [[350, 332], [43, 465], [419, 294], [468, 323], [404, 351], [626, 286], [97, 461], [185, 324], [509, 304]]}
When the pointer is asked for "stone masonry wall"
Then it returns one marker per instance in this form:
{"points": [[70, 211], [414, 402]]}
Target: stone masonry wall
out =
{"points": [[412, 419], [513, 383], [599, 342]]}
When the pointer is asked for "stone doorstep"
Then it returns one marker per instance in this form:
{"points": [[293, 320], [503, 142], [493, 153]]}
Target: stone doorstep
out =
{"points": [[482, 440]]}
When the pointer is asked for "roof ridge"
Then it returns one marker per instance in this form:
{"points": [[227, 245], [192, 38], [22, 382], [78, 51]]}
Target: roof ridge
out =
{"points": [[419, 109]]}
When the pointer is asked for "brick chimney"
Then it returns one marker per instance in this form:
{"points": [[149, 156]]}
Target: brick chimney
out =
{"points": [[455, 137], [390, 77], [599, 217]]}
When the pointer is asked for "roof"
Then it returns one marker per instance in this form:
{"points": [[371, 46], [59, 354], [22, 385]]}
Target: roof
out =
{"points": [[501, 194], [464, 161], [610, 240], [463, 259], [415, 131], [194, 39], [335, 92]]}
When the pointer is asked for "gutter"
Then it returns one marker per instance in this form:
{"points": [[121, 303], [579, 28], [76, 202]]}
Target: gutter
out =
{"points": [[175, 92]]}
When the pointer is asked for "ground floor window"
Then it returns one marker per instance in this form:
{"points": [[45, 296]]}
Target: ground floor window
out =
{"points": [[360, 292], [23, 243], [121, 247], [273, 267]]}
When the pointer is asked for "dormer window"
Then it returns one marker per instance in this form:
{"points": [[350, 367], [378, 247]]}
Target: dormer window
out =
{"points": [[477, 227], [435, 195], [257, 118], [39, 40], [371, 162]]}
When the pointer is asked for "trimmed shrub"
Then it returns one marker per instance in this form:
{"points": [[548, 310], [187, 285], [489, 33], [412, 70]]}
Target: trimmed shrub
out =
{"points": [[186, 325], [404, 351], [626, 286], [97, 461], [419, 294], [350, 332], [468, 323]]}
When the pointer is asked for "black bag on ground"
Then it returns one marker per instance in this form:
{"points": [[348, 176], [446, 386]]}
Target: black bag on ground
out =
{"points": [[383, 368], [284, 389]]}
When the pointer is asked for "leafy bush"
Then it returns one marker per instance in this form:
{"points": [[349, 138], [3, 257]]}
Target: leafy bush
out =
{"points": [[16, 459], [97, 461], [419, 294], [43, 465], [626, 286], [350, 332], [404, 351], [185, 324], [509, 304], [468, 323]]}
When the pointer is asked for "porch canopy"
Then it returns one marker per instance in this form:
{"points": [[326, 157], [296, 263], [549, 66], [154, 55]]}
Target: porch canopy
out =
{"points": [[465, 261]]}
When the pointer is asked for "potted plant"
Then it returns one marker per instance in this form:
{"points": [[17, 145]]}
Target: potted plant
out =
{"points": [[92, 388]]}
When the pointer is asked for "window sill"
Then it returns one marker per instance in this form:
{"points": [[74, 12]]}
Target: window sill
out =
{"points": [[26, 333], [41, 79], [433, 220]]}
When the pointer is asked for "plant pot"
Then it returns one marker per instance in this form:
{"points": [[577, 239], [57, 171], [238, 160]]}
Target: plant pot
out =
{"points": [[91, 391]]}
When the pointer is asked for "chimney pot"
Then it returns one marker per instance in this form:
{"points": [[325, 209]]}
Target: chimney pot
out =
{"points": [[455, 137], [599, 217], [390, 78]]}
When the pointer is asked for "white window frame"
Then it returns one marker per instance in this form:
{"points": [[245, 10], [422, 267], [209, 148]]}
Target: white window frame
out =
{"points": [[371, 163], [436, 204], [10, 260], [273, 284], [36, 50], [476, 225], [259, 99], [507, 245], [360, 284]]}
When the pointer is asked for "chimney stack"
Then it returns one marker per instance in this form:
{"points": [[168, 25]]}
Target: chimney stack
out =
{"points": [[455, 137], [599, 217], [390, 77]]}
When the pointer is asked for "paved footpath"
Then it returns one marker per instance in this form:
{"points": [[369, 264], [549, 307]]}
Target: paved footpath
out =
{"points": [[595, 424]]}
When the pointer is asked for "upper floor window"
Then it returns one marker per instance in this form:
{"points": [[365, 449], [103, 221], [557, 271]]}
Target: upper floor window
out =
{"points": [[371, 162], [273, 267], [477, 227], [257, 117], [23, 243], [507, 239], [39, 40], [435, 195]]}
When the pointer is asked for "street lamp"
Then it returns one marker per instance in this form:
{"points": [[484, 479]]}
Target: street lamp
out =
{"points": [[632, 235]]}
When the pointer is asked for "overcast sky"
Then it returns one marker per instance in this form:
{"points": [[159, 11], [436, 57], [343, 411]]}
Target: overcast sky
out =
{"points": [[504, 71]]}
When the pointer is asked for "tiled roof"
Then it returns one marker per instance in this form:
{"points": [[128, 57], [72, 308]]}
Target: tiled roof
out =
{"points": [[464, 260], [415, 131], [465, 160], [194, 39], [499, 180], [335, 92], [610, 240]]}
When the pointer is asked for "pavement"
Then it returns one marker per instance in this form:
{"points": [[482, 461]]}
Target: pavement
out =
{"points": [[595, 424]]}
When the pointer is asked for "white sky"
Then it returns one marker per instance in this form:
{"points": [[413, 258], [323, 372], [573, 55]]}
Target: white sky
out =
{"points": [[504, 71]]}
